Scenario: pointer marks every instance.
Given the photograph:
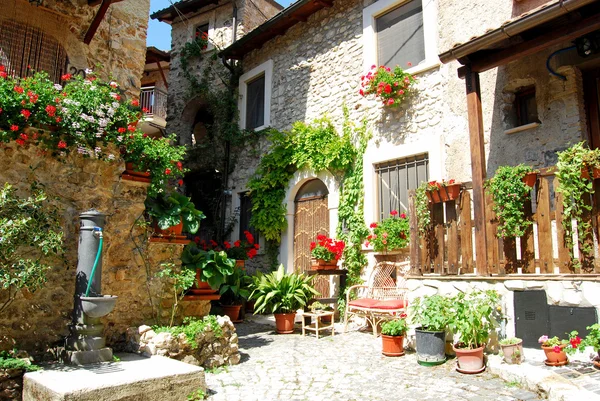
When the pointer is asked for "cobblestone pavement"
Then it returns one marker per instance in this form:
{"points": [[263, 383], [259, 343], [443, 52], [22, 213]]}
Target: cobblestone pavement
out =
{"points": [[344, 367]]}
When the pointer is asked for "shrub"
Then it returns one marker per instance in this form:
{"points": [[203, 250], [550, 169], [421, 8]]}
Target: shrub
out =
{"points": [[396, 327], [390, 234]]}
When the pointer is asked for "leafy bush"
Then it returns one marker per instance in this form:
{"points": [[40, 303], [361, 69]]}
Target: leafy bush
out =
{"points": [[169, 210], [30, 235], [474, 317], [236, 288], [510, 194], [432, 313], [180, 280], [192, 327], [390, 234], [396, 327], [8, 361], [216, 266], [278, 292], [593, 338]]}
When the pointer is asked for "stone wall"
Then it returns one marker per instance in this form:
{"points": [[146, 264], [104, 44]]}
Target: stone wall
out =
{"points": [[11, 384], [254, 13], [119, 44], [36, 321]]}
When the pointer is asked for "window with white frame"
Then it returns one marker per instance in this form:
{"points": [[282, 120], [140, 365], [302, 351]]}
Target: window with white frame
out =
{"points": [[400, 32], [395, 178], [255, 97]]}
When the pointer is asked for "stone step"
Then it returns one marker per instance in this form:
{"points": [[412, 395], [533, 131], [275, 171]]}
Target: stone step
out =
{"points": [[134, 378]]}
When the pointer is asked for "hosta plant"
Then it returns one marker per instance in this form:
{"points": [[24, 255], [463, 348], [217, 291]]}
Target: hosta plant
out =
{"points": [[215, 266], [171, 209], [510, 194]]}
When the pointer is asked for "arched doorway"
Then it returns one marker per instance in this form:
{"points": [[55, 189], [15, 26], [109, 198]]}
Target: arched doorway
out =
{"points": [[311, 217]]}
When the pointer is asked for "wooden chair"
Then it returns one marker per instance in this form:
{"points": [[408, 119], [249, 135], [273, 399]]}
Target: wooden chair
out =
{"points": [[382, 298]]}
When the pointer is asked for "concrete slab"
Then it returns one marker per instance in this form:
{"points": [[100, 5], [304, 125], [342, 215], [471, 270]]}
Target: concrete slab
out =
{"points": [[134, 378]]}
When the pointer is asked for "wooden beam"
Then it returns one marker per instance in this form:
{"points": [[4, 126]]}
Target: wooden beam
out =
{"points": [[478, 169], [94, 3], [555, 37], [96, 22], [162, 74]]}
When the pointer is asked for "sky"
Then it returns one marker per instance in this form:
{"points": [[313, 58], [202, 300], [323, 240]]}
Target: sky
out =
{"points": [[159, 33]]}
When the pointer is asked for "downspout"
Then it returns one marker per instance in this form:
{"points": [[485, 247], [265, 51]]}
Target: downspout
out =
{"points": [[230, 119]]}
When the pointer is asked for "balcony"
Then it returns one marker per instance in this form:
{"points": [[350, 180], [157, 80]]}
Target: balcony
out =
{"points": [[154, 104]]}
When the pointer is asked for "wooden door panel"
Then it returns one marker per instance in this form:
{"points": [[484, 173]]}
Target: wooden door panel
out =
{"points": [[310, 219]]}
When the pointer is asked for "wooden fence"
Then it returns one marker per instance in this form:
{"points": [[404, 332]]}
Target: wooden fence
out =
{"points": [[448, 247]]}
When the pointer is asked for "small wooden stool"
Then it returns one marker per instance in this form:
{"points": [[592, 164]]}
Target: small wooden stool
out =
{"points": [[318, 325]]}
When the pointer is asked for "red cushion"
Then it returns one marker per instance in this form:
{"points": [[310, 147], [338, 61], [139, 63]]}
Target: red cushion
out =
{"points": [[364, 302], [390, 304]]}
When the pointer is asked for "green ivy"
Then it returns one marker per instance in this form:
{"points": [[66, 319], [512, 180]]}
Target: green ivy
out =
{"points": [[422, 206]]}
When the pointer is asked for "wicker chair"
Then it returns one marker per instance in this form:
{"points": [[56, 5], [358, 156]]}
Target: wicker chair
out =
{"points": [[382, 299]]}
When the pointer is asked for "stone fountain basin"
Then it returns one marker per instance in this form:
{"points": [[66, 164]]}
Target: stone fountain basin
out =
{"points": [[98, 306]]}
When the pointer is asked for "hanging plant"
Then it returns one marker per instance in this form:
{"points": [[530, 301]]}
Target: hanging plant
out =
{"points": [[389, 86], [510, 193], [575, 185]]}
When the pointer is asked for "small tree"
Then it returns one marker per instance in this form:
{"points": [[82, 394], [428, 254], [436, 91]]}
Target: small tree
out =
{"points": [[30, 235]]}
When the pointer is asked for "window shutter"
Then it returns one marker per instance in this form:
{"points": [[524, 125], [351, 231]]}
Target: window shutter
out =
{"points": [[400, 38], [255, 103]]}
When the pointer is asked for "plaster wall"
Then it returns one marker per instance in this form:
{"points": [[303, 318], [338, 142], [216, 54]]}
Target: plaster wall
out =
{"points": [[119, 44], [154, 78]]}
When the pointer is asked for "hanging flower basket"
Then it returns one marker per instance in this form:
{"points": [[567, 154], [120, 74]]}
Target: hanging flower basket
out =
{"points": [[438, 192]]}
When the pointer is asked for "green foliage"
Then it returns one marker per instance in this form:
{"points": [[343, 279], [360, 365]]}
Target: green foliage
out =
{"points": [[278, 292], [180, 279], [422, 207], [576, 191], [510, 341], [396, 327], [236, 287], [216, 266], [474, 317], [193, 327], [432, 313], [30, 236], [317, 306], [8, 361], [197, 395], [510, 194], [169, 210], [390, 234], [391, 87], [593, 338]]}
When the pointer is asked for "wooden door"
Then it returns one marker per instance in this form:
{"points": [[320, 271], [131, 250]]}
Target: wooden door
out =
{"points": [[310, 219], [591, 83]]}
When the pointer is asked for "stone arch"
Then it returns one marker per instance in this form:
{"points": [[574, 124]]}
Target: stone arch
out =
{"points": [[195, 112], [286, 248]]}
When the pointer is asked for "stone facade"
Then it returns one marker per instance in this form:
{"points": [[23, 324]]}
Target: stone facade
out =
{"points": [[119, 45], [11, 384]]}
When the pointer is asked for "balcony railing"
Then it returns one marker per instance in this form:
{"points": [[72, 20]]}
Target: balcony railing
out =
{"points": [[154, 102]]}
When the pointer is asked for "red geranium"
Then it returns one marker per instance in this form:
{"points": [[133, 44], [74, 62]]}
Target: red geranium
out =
{"points": [[327, 249]]}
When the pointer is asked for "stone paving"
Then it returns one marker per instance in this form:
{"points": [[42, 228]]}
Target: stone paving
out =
{"points": [[344, 367]]}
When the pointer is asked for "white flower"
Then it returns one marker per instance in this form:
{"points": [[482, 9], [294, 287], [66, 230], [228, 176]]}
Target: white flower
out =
{"points": [[88, 71], [58, 87], [110, 112], [100, 113], [115, 105], [103, 122], [65, 110], [76, 125], [81, 150], [111, 157], [113, 84], [119, 138], [97, 149], [98, 134]]}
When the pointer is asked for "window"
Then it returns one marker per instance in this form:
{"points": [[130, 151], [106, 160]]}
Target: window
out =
{"points": [[255, 97], [255, 105], [399, 32], [526, 107], [202, 30], [400, 37], [246, 215], [395, 178]]}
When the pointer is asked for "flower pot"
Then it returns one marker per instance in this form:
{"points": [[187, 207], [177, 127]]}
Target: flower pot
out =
{"points": [[240, 263], [513, 353], [200, 287], [554, 358], [392, 345], [323, 265], [433, 196], [171, 231], [250, 305], [325, 318], [530, 179], [284, 322], [431, 347], [132, 175], [450, 192], [469, 360], [233, 311], [585, 173]]}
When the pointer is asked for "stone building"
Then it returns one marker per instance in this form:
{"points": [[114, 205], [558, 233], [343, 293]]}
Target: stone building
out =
{"points": [[154, 89]]}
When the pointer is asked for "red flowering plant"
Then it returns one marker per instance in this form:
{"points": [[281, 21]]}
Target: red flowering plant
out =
{"points": [[569, 346], [390, 86], [390, 234], [437, 185], [327, 249], [242, 249]]}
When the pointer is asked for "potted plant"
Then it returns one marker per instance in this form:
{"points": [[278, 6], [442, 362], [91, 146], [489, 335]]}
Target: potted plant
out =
{"points": [[174, 213], [212, 267], [392, 336], [317, 307], [556, 350], [512, 350], [442, 191], [242, 250], [233, 292], [391, 87], [327, 251], [281, 294], [432, 314], [593, 340], [510, 192], [391, 234], [474, 318], [575, 186]]}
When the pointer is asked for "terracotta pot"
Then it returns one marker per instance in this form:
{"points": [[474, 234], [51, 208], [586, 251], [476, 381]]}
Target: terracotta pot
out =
{"points": [[392, 345], [240, 263], [130, 170], [450, 192], [284, 322], [469, 360], [323, 265], [554, 358], [433, 196], [585, 173], [513, 353], [173, 230], [233, 311], [250, 305], [200, 287], [325, 319], [596, 173], [530, 179]]}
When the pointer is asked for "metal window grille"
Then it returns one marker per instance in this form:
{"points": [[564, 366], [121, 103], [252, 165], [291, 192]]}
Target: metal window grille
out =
{"points": [[25, 49], [400, 37], [395, 178]]}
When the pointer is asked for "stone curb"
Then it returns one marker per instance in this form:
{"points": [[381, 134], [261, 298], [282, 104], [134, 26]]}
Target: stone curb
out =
{"points": [[551, 385]]}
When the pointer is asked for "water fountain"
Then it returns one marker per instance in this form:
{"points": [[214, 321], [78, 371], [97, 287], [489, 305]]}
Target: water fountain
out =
{"points": [[86, 343]]}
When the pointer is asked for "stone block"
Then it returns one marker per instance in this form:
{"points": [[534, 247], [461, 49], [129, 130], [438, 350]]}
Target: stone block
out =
{"points": [[572, 298], [515, 285], [554, 292], [535, 285], [591, 293]]}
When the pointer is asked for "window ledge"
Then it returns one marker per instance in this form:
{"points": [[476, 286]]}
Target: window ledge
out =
{"points": [[424, 67], [522, 128]]}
